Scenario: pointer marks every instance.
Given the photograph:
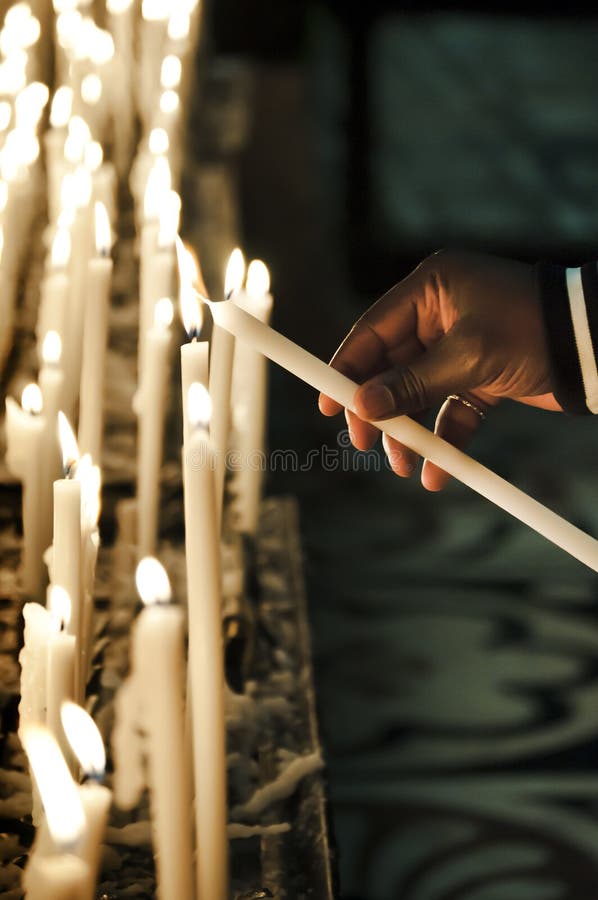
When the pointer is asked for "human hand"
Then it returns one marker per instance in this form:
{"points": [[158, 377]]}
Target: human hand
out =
{"points": [[461, 323]]}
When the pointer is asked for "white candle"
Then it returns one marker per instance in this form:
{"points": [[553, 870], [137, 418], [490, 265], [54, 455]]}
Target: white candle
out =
{"points": [[221, 370], [86, 743], [152, 410], [250, 394], [202, 557], [194, 354], [81, 237], [157, 652], [66, 549], [53, 871], [25, 429], [95, 338], [51, 383], [60, 679], [54, 292], [157, 188], [121, 15], [323, 378], [54, 138]]}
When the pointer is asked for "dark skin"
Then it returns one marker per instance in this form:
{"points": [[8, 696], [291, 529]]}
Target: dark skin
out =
{"points": [[461, 323]]}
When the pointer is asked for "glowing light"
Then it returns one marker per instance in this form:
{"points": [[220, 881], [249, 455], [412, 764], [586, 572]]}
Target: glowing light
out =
{"points": [[158, 183], [103, 235], [91, 89], [61, 249], [21, 29], [235, 273], [85, 739], [169, 219], [102, 48], [68, 446], [52, 348], [158, 142], [155, 10], [13, 73], [5, 114], [58, 792], [170, 72], [62, 105], [191, 310], [68, 28], [31, 399], [21, 148], [59, 604], [199, 405], [30, 104], [258, 279], [116, 7], [163, 312], [77, 139], [93, 156], [169, 101], [179, 26], [152, 581]]}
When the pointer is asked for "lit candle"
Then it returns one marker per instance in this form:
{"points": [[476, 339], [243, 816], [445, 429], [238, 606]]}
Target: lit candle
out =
{"points": [[151, 406], [54, 292], [121, 19], [157, 658], [195, 353], [206, 666], [221, 370], [324, 378], [25, 430], [95, 337], [66, 550], [81, 236], [53, 871], [250, 395], [86, 743], [60, 679], [90, 478]]}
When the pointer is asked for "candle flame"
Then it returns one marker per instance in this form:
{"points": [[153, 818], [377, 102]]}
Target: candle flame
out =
{"points": [[115, 7], [235, 273], [103, 237], [169, 219], [61, 248], [62, 105], [102, 46], [158, 142], [163, 313], [30, 104], [258, 279], [52, 348], [152, 581], [31, 399], [59, 794], [170, 72], [169, 101], [83, 735], [59, 604], [68, 446], [179, 25], [91, 89], [189, 275], [93, 156], [68, 28], [155, 10], [158, 183], [199, 405], [77, 139]]}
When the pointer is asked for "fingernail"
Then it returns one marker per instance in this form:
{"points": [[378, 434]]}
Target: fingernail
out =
{"points": [[377, 400]]}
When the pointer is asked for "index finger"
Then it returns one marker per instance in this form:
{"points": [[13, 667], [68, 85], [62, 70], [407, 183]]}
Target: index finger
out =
{"points": [[383, 328]]}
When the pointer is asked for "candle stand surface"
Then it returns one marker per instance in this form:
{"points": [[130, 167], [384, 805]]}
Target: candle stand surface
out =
{"points": [[279, 837]]}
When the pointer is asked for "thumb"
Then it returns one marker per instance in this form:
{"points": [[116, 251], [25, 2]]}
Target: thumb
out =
{"points": [[453, 365]]}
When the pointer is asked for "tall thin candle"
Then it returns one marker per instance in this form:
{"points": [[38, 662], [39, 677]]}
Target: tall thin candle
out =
{"points": [[319, 375]]}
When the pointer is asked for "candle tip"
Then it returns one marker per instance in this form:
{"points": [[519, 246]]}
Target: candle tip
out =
{"points": [[152, 581], [85, 739]]}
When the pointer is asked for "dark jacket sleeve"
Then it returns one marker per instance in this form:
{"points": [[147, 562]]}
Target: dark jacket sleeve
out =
{"points": [[570, 304]]}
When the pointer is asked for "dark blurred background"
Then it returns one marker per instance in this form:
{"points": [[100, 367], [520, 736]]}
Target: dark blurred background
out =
{"points": [[456, 652]]}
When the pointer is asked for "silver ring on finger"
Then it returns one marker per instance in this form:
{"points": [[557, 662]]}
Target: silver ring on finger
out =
{"points": [[479, 412]]}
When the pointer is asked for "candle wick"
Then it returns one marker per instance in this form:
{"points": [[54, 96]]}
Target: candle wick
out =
{"points": [[93, 777]]}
